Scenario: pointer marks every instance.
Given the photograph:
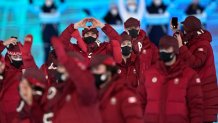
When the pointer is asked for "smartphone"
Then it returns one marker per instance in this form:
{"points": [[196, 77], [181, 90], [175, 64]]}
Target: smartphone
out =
{"points": [[175, 22]]}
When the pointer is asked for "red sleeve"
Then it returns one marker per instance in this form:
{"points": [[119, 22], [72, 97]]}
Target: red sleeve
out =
{"points": [[2, 47], [27, 57], [111, 32], [210, 94], [80, 41], [84, 85], [131, 109], [195, 59], [66, 35], [116, 50], [195, 100], [45, 72]]}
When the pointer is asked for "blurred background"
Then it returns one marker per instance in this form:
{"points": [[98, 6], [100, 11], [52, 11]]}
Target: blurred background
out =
{"points": [[46, 18]]}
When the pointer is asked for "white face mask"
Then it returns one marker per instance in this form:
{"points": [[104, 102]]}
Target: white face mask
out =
{"points": [[132, 8], [114, 12], [48, 3], [157, 2]]}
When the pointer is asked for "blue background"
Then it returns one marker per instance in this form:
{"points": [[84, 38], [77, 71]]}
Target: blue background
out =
{"points": [[18, 18]]}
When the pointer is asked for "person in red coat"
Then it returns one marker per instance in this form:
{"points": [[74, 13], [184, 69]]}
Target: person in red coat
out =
{"points": [[2, 69], [89, 45], [196, 51], [118, 102], [141, 43], [129, 67], [31, 88], [171, 92], [9, 96], [75, 98]]}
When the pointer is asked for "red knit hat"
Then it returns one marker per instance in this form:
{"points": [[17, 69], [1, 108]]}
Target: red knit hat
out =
{"points": [[191, 24], [14, 49], [132, 22], [102, 59], [125, 37], [86, 30], [169, 41], [35, 77]]}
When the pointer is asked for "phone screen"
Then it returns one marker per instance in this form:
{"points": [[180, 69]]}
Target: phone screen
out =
{"points": [[175, 22]]}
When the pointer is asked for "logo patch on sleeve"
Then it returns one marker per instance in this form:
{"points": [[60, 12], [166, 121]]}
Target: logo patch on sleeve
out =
{"points": [[113, 101], [154, 79], [198, 80], [201, 49], [132, 100]]}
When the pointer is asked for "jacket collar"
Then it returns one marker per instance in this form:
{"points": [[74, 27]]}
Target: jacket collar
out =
{"points": [[173, 71]]}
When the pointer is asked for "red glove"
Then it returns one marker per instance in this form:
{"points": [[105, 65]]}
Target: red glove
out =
{"points": [[28, 60]]}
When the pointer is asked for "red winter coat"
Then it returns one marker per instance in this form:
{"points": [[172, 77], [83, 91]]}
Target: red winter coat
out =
{"points": [[73, 101], [171, 95], [148, 53], [9, 96], [119, 103], [198, 54], [129, 71], [107, 48]]}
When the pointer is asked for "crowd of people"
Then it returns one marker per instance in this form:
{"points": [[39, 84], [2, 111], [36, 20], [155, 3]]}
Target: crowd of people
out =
{"points": [[127, 79]]}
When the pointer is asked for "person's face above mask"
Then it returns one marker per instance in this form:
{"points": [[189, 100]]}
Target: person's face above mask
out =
{"points": [[101, 75], [167, 54], [16, 60], [16, 57], [90, 37]]}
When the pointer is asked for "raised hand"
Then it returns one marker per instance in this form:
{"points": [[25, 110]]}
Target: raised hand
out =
{"points": [[26, 92], [10, 41], [81, 24], [179, 39], [96, 23], [28, 42]]}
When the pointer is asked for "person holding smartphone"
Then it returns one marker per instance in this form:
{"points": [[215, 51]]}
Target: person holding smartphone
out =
{"points": [[195, 49], [171, 91]]}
